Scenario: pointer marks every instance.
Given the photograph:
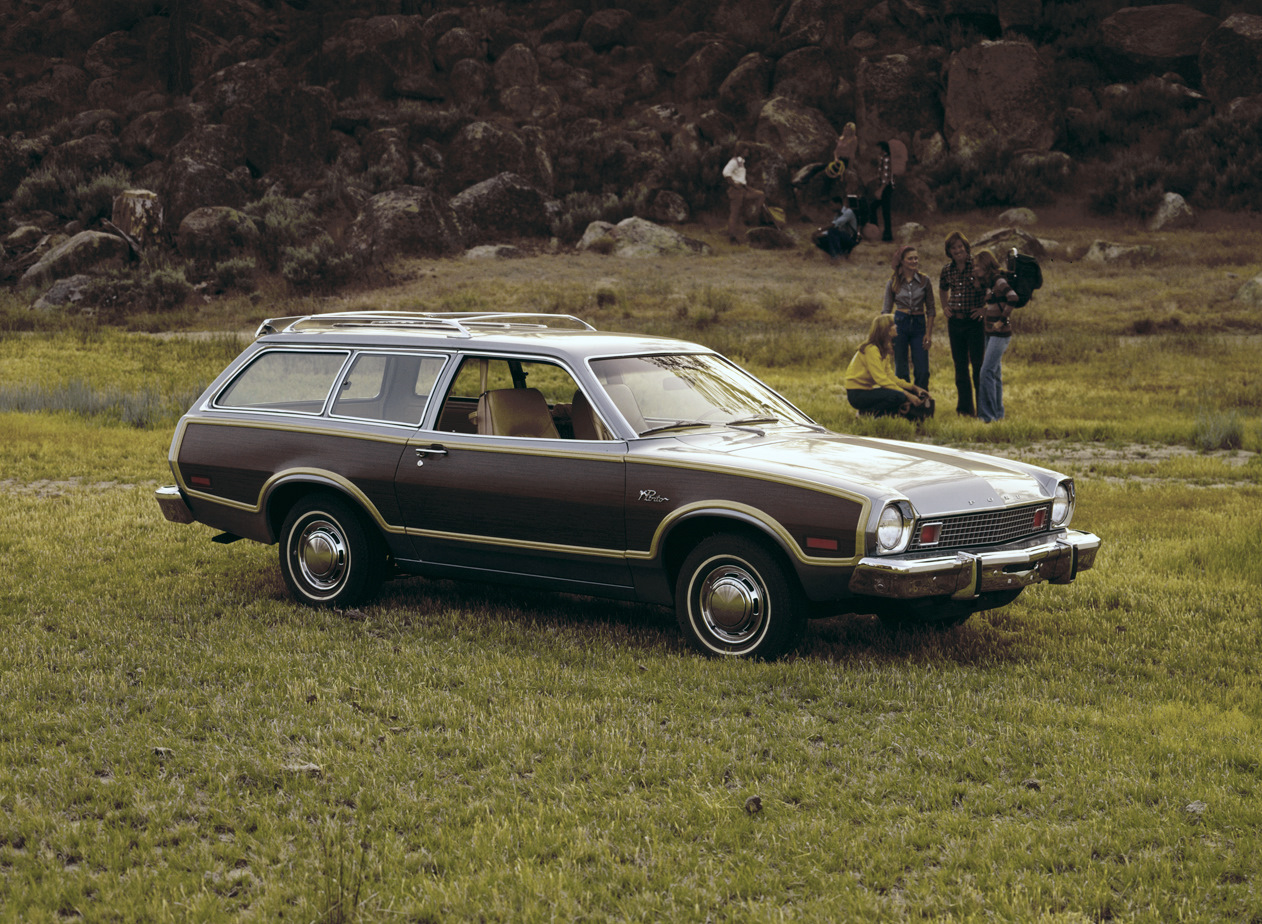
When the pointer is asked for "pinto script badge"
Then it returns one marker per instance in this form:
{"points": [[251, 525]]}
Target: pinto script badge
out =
{"points": [[652, 497]]}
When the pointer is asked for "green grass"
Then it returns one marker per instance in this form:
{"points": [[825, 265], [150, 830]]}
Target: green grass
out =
{"points": [[179, 741]]}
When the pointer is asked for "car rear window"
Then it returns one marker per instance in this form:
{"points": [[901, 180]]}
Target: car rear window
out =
{"points": [[296, 381]]}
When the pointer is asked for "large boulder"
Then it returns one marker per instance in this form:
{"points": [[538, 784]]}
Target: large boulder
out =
{"points": [[517, 67], [88, 156], [1231, 58], [209, 235], [1161, 34], [507, 205], [152, 135], [137, 213], [895, 97], [211, 144], [87, 250], [1171, 214], [743, 92], [704, 72], [799, 133], [638, 238], [482, 150], [406, 220], [190, 185], [999, 89], [278, 123], [805, 76], [606, 28]]}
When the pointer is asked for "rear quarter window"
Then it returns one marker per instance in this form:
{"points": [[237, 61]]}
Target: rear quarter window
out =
{"points": [[284, 380]]}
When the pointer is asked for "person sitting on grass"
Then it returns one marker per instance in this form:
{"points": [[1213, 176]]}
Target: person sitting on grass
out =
{"points": [[873, 389]]}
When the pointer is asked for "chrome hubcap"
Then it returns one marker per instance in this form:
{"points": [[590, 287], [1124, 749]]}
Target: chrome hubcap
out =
{"points": [[733, 603], [321, 554]]}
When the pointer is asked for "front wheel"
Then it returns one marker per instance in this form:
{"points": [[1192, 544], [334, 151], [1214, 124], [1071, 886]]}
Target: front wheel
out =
{"points": [[735, 598], [327, 555]]}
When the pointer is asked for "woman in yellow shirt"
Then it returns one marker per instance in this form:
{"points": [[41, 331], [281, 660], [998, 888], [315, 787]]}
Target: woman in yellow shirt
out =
{"points": [[871, 385]]}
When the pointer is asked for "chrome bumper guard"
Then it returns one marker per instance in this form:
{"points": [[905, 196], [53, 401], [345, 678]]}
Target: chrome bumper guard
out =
{"points": [[967, 575], [172, 503]]}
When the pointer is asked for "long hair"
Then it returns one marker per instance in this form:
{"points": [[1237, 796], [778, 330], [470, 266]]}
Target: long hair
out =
{"points": [[957, 236], [878, 333], [897, 263], [989, 266]]}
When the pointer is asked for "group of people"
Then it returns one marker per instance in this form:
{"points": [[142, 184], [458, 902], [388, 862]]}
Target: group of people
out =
{"points": [[889, 374]]}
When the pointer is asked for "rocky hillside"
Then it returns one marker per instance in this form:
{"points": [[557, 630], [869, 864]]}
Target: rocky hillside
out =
{"points": [[310, 136]]}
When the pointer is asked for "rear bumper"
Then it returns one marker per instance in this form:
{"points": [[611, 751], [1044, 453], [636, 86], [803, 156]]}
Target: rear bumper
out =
{"points": [[967, 575], [173, 505]]}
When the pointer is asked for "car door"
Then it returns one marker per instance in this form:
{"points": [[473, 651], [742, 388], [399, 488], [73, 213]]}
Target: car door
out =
{"points": [[537, 507]]}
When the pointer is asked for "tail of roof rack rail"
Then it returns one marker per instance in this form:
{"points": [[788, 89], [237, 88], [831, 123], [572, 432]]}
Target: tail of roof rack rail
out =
{"points": [[455, 321]]}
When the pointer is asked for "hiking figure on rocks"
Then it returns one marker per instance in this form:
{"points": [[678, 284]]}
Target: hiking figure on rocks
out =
{"points": [[739, 193]]}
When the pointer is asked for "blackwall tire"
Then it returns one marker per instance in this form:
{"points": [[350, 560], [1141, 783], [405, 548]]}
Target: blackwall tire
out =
{"points": [[328, 555], [735, 598]]}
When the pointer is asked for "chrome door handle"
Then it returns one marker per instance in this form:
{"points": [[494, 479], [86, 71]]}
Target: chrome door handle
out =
{"points": [[423, 451]]}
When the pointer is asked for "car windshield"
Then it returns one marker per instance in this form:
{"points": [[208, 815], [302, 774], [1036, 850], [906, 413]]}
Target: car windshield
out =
{"points": [[682, 390]]}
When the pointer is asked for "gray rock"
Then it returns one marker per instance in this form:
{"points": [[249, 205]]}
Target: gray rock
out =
{"points": [[670, 207], [494, 252], [910, 232], [767, 238], [1251, 292], [800, 134], [407, 220], [208, 235], [507, 205], [1018, 218], [64, 292], [636, 237], [1162, 33], [1109, 252], [1172, 214], [1231, 58], [999, 89], [87, 250], [1001, 240]]}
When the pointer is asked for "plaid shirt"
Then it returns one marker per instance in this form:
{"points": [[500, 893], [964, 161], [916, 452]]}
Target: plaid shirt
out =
{"points": [[963, 297]]}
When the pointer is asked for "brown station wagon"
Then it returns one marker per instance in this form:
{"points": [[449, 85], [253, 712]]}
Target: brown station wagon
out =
{"points": [[535, 450]]}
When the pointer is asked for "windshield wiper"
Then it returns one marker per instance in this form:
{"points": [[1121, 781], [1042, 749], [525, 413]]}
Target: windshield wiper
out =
{"points": [[675, 426], [757, 418]]}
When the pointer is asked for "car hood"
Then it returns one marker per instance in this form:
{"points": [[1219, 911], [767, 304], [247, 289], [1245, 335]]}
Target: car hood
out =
{"points": [[935, 480]]}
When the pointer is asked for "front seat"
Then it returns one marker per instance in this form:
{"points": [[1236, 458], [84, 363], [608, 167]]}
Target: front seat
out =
{"points": [[516, 412], [587, 425]]}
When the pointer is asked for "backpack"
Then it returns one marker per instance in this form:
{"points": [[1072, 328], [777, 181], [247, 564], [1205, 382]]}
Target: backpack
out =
{"points": [[1024, 275]]}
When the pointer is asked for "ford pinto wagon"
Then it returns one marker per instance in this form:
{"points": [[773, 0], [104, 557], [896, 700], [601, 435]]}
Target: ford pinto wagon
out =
{"points": [[538, 451]]}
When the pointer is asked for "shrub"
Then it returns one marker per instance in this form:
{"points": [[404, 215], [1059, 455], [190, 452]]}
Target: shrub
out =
{"points": [[317, 265], [994, 176], [236, 273], [1132, 185], [1218, 430], [126, 293], [284, 224], [94, 200], [47, 190]]}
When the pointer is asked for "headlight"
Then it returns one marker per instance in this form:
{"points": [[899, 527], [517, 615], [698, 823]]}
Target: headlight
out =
{"points": [[893, 529], [1063, 504]]}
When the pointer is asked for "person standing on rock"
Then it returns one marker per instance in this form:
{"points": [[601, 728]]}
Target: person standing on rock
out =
{"points": [[962, 303], [847, 145], [739, 194]]}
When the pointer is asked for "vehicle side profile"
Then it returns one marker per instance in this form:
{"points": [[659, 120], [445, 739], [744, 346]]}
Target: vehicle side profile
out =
{"points": [[534, 450]]}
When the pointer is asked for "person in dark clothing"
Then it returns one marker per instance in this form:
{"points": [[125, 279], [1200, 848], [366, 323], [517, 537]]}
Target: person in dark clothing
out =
{"points": [[962, 302], [885, 189]]}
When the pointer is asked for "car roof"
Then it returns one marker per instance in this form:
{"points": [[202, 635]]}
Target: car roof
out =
{"points": [[519, 332]]}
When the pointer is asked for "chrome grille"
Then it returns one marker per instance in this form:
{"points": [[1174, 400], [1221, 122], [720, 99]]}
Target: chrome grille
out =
{"points": [[991, 528]]}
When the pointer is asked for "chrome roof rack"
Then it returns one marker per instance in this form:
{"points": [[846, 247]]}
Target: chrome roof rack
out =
{"points": [[457, 322]]}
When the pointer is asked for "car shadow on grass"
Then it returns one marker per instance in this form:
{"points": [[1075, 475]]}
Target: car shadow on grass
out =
{"points": [[419, 603]]}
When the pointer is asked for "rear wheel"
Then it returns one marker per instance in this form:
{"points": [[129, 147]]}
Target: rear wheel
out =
{"points": [[328, 556], [735, 598]]}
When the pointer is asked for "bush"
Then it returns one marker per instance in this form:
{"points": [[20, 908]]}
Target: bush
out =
{"points": [[95, 199], [319, 265], [995, 176], [236, 274], [1132, 185], [284, 225], [147, 290]]}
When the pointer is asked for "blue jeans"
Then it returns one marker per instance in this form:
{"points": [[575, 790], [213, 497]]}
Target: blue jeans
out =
{"points": [[990, 391], [909, 335]]}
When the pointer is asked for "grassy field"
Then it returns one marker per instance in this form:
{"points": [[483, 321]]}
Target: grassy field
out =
{"points": [[178, 741]]}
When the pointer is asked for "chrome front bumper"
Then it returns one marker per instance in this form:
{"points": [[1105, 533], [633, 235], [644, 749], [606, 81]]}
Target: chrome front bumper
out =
{"points": [[173, 505], [966, 575]]}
